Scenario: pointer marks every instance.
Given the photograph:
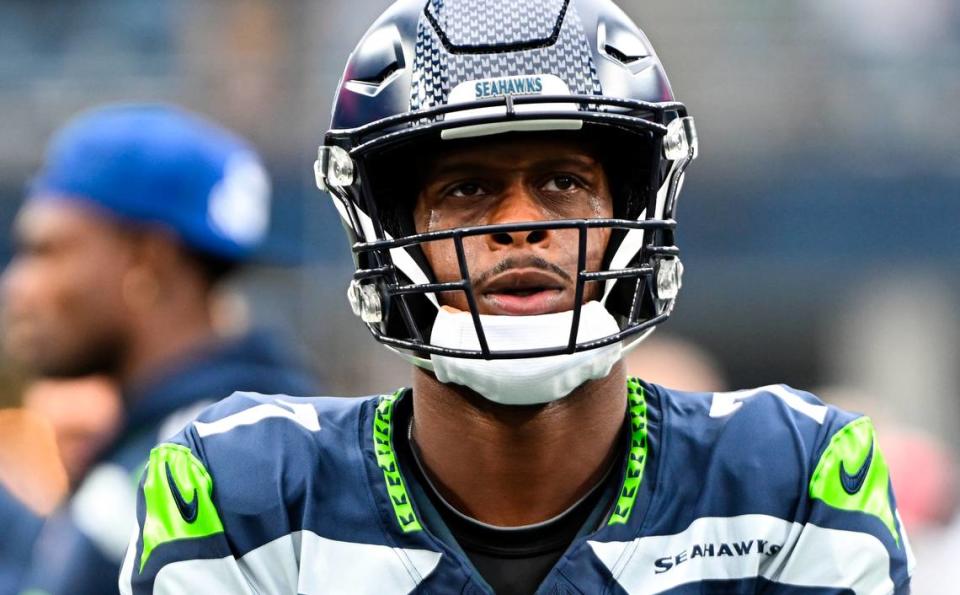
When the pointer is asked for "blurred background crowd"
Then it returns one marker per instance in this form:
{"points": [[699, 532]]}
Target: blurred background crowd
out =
{"points": [[820, 228]]}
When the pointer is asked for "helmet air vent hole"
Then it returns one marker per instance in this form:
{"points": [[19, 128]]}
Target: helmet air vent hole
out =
{"points": [[381, 76], [376, 63], [620, 56]]}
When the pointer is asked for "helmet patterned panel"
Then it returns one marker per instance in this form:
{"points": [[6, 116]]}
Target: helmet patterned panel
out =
{"points": [[436, 71], [474, 23]]}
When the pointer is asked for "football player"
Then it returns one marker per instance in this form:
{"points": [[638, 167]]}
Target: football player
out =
{"points": [[508, 173]]}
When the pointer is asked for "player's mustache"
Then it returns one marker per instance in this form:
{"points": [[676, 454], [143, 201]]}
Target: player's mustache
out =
{"points": [[528, 262]]}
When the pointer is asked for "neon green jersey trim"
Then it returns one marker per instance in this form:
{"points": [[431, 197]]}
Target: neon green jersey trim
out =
{"points": [[387, 461], [188, 514], [399, 498], [637, 457], [852, 474]]}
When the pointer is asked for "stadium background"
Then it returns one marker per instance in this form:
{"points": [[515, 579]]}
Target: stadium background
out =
{"points": [[820, 227]]}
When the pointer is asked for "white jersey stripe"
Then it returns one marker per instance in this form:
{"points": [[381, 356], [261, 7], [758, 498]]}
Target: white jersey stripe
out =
{"points": [[748, 546], [727, 403], [911, 559], [220, 575], [330, 566], [301, 413], [126, 569], [826, 557], [301, 562]]}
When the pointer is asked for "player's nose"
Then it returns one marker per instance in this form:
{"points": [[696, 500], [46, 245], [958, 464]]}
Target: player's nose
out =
{"points": [[519, 205]]}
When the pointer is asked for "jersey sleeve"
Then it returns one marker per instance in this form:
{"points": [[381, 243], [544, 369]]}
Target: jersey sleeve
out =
{"points": [[852, 529], [183, 541]]}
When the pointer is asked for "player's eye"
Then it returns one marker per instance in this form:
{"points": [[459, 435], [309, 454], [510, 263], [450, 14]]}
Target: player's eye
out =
{"points": [[561, 183], [466, 190]]}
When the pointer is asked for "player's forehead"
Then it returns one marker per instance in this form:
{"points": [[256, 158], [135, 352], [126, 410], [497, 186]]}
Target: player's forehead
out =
{"points": [[510, 153], [61, 221], [52, 217]]}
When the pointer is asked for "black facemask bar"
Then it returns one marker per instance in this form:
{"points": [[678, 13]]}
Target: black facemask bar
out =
{"points": [[389, 284], [380, 289]]}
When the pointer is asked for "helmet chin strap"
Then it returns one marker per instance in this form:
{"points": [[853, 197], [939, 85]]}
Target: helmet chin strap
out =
{"points": [[522, 381]]}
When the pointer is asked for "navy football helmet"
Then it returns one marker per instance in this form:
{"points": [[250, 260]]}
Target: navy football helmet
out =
{"points": [[430, 72]]}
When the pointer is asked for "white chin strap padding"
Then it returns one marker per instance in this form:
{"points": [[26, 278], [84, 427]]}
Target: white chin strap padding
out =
{"points": [[525, 381]]}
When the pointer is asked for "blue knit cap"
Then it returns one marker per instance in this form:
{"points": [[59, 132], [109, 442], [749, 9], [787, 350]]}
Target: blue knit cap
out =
{"points": [[162, 165]]}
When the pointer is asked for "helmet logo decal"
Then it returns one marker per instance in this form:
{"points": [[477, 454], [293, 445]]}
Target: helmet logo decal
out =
{"points": [[525, 85], [528, 85]]}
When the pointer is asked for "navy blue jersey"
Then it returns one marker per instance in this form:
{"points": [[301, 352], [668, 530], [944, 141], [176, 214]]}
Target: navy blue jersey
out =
{"points": [[20, 526], [760, 491], [81, 546]]}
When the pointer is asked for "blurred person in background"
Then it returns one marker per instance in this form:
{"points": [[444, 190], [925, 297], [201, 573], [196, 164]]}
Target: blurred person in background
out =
{"points": [[679, 363], [32, 483], [84, 414], [137, 214], [46, 446]]}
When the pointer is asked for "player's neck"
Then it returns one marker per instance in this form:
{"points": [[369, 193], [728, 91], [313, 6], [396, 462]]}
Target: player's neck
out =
{"points": [[512, 466], [163, 342]]}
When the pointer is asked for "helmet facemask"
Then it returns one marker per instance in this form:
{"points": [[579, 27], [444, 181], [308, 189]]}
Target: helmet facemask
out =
{"points": [[432, 73], [394, 289]]}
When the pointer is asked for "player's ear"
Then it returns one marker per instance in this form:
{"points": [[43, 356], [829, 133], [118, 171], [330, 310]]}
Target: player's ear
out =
{"points": [[155, 258], [141, 288]]}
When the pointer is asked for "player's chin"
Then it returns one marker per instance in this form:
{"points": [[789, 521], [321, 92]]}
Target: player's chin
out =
{"points": [[51, 359]]}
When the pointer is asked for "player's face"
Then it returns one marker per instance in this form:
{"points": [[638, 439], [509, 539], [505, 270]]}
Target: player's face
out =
{"points": [[63, 310], [514, 180]]}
